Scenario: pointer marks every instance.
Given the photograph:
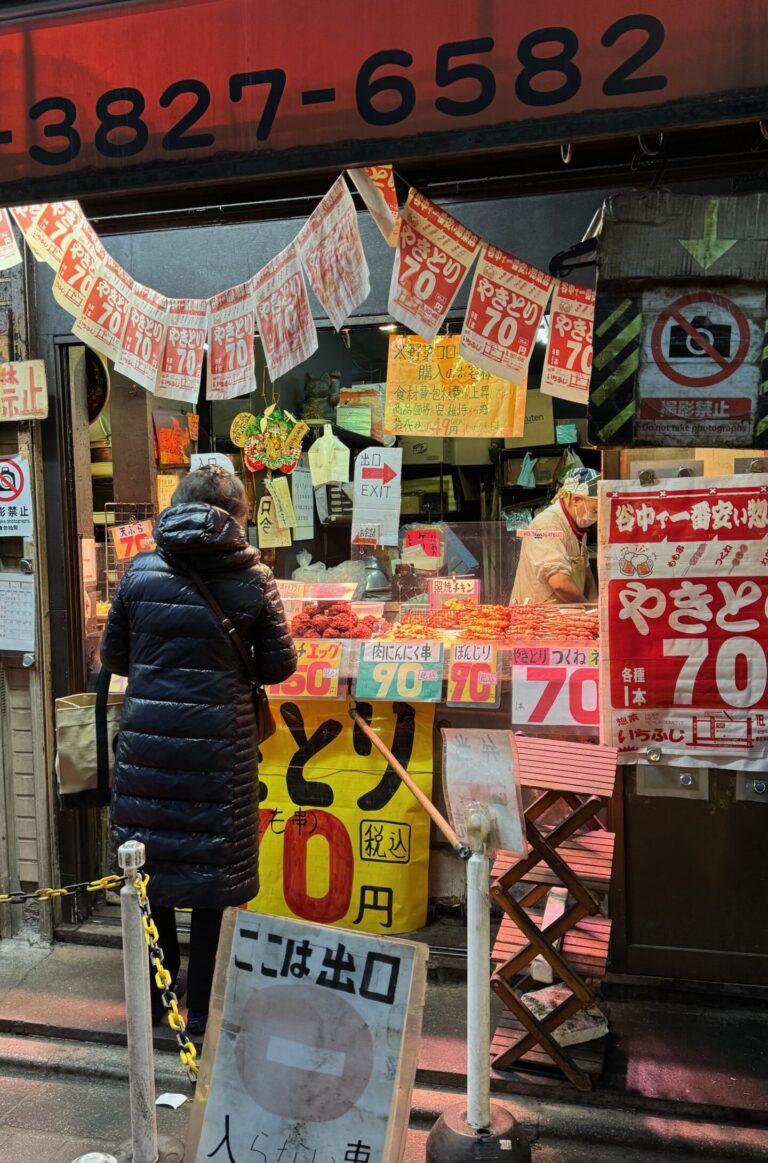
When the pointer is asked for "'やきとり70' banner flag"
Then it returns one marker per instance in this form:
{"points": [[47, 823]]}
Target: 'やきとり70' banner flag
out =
{"points": [[684, 616], [341, 840]]}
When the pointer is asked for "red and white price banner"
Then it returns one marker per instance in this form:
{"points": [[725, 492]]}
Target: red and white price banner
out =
{"points": [[129, 540], [144, 338], [434, 253], [332, 253], [376, 186], [25, 218], [104, 314], [684, 601], [473, 675], [283, 314], [231, 362], [10, 255], [505, 306], [53, 230], [555, 696], [78, 268], [568, 363], [317, 673], [182, 363]]}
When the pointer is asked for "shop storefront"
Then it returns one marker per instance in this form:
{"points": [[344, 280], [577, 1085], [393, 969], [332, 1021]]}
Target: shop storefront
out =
{"points": [[398, 560]]}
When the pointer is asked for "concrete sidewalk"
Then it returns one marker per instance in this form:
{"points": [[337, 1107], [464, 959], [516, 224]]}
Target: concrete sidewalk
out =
{"points": [[62, 1030]]}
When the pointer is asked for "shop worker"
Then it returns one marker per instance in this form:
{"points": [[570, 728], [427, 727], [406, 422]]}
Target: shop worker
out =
{"points": [[185, 780], [553, 566]]}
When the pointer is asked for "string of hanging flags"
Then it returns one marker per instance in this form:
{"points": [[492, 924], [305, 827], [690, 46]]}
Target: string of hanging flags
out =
{"points": [[159, 342]]}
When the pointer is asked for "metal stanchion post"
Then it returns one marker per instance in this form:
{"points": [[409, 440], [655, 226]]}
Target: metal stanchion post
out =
{"points": [[478, 1129], [141, 1064]]}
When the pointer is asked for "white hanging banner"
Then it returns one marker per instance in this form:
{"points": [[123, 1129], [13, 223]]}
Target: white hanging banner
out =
{"points": [[10, 255], [144, 338], [77, 270], [53, 230], [283, 315], [433, 256], [568, 364], [376, 185], [182, 363], [104, 314], [332, 252], [25, 218], [231, 363], [505, 307]]}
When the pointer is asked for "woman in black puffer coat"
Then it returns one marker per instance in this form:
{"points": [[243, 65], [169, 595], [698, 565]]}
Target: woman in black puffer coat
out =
{"points": [[185, 781]]}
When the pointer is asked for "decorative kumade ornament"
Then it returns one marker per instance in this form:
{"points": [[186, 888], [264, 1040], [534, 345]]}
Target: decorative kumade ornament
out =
{"points": [[270, 441]]}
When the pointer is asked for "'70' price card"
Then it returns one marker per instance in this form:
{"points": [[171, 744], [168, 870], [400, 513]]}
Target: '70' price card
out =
{"points": [[400, 670], [473, 675], [317, 673]]}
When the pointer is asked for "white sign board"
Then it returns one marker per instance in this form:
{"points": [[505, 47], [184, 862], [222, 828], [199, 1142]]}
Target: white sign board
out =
{"points": [[479, 768], [700, 367], [376, 499], [17, 612], [15, 498], [556, 696], [303, 502], [311, 1047]]}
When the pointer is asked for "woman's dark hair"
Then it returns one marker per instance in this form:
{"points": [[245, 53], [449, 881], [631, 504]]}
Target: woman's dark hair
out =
{"points": [[213, 486]]}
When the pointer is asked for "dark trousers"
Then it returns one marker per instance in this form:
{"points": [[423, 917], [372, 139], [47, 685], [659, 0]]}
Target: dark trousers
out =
{"points": [[203, 943]]}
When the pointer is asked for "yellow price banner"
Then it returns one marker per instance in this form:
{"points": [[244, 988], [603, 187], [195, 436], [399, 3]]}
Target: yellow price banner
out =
{"points": [[473, 674], [317, 674]]}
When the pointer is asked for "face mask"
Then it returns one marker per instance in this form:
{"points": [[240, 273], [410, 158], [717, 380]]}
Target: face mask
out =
{"points": [[585, 519]]}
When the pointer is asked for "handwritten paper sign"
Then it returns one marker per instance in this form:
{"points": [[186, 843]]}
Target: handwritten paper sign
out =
{"points": [[129, 540], [400, 670], [473, 675], [479, 768], [434, 253], [332, 253], [23, 390], [505, 307], [568, 363], [271, 534], [283, 314], [376, 498], [443, 588], [429, 540], [317, 673], [432, 391]]}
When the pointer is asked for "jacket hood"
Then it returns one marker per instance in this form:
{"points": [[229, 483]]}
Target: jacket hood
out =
{"points": [[203, 531]]}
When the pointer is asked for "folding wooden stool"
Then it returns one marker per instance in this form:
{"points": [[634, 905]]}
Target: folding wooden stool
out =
{"points": [[576, 854]]}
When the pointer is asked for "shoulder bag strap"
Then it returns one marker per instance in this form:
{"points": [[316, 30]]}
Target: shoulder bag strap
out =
{"points": [[102, 734], [226, 622]]}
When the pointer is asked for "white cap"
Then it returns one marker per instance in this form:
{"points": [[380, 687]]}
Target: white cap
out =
{"points": [[581, 481]]}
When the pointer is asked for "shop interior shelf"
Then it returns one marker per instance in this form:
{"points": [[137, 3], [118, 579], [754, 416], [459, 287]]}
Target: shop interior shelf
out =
{"points": [[584, 947], [589, 855]]}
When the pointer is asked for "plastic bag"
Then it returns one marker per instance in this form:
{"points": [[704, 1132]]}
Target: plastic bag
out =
{"points": [[307, 572], [570, 461], [526, 478], [328, 460]]}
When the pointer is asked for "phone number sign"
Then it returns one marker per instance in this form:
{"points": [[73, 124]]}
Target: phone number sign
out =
{"points": [[131, 90]]}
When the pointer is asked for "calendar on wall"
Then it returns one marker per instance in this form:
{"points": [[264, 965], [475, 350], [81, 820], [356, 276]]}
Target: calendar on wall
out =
{"points": [[17, 612]]}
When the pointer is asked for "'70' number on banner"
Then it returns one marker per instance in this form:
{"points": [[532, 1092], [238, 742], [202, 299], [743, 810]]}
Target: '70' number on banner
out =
{"points": [[555, 696]]}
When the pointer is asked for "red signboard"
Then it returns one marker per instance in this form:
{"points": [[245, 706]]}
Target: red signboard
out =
{"points": [[684, 604], [134, 91]]}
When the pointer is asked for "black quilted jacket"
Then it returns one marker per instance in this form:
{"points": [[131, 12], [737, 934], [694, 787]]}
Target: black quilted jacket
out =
{"points": [[185, 780]]}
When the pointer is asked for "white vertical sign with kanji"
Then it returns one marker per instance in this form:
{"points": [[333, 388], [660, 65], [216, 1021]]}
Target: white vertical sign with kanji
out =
{"points": [[283, 315], [376, 498], [333, 256], [505, 306], [231, 361], [433, 256], [182, 363], [313, 1055], [568, 363]]}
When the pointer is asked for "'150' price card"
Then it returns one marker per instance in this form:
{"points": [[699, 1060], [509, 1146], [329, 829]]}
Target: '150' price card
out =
{"points": [[317, 673], [400, 670], [473, 676]]}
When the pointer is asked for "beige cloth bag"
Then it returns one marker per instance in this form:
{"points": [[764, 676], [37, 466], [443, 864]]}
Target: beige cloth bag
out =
{"points": [[87, 726]]}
